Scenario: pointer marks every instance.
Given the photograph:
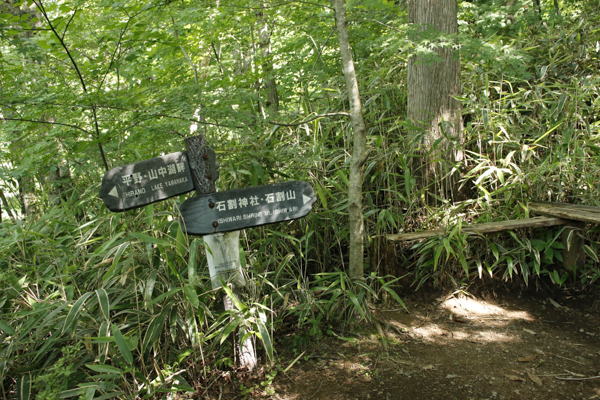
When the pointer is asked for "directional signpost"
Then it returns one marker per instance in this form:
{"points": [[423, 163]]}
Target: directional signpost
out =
{"points": [[245, 208], [145, 182], [218, 216]]}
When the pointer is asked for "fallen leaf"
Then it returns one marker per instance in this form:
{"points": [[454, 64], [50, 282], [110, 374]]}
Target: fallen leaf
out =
{"points": [[529, 331], [454, 318], [534, 379], [528, 358], [451, 376], [428, 367], [515, 378], [555, 304]]}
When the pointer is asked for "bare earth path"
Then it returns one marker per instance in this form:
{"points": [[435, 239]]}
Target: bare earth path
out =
{"points": [[494, 347]]}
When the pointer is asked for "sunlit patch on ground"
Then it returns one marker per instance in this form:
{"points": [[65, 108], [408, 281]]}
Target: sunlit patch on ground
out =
{"points": [[467, 307]]}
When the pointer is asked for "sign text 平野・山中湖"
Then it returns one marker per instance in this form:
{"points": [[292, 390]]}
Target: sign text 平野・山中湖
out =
{"points": [[138, 184]]}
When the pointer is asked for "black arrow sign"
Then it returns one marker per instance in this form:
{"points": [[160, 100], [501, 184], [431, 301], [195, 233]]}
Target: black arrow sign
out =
{"points": [[141, 183], [244, 208], [145, 182]]}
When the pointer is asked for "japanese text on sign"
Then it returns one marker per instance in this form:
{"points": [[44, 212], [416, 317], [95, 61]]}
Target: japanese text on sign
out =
{"points": [[242, 202], [154, 173]]}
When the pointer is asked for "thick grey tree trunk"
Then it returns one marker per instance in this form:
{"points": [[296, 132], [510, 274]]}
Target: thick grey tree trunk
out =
{"points": [[359, 150], [433, 78]]}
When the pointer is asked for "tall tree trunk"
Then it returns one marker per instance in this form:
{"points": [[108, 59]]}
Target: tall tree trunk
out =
{"points": [[359, 150], [431, 83]]}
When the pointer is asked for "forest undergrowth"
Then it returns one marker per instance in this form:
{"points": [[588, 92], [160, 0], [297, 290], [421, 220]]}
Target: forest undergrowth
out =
{"points": [[98, 305]]}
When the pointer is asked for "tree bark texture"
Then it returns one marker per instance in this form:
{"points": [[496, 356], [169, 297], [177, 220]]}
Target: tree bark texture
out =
{"points": [[355, 214], [433, 78], [6, 207], [59, 183], [270, 84]]}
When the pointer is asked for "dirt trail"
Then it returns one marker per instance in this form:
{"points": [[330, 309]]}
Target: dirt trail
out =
{"points": [[506, 347]]}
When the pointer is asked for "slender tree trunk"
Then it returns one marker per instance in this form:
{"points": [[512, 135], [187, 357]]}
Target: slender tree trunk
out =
{"points": [[433, 80], [7, 206], [557, 7], [359, 150], [270, 85], [58, 182], [27, 195]]}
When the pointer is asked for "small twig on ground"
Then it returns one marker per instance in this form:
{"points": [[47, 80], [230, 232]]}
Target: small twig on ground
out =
{"points": [[577, 379], [376, 361], [315, 393], [568, 359]]}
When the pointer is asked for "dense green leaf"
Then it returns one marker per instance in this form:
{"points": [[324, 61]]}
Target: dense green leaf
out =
{"points": [[104, 368], [75, 310], [104, 304], [122, 345]]}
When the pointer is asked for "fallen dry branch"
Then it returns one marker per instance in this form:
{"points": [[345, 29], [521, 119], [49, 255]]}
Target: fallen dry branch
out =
{"points": [[488, 227]]}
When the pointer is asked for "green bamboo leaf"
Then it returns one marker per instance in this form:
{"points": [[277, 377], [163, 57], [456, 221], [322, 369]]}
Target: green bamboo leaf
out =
{"points": [[65, 394], [89, 393], [104, 304], [264, 335], [110, 395], [321, 194], [122, 345], [74, 311], [464, 264], [108, 244], [590, 252], [150, 239], [448, 248], [149, 288], [230, 327], [570, 239], [47, 348], [394, 295], [24, 387], [154, 330], [258, 174], [149, 214], [180, 242], [104, 368], [495, 251], [103, 347], [191, 295], [6, 328], [167, 295], [122, 247], [354, 301], [192, 261], [239, 305], [50, 317], [436, 256]]}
